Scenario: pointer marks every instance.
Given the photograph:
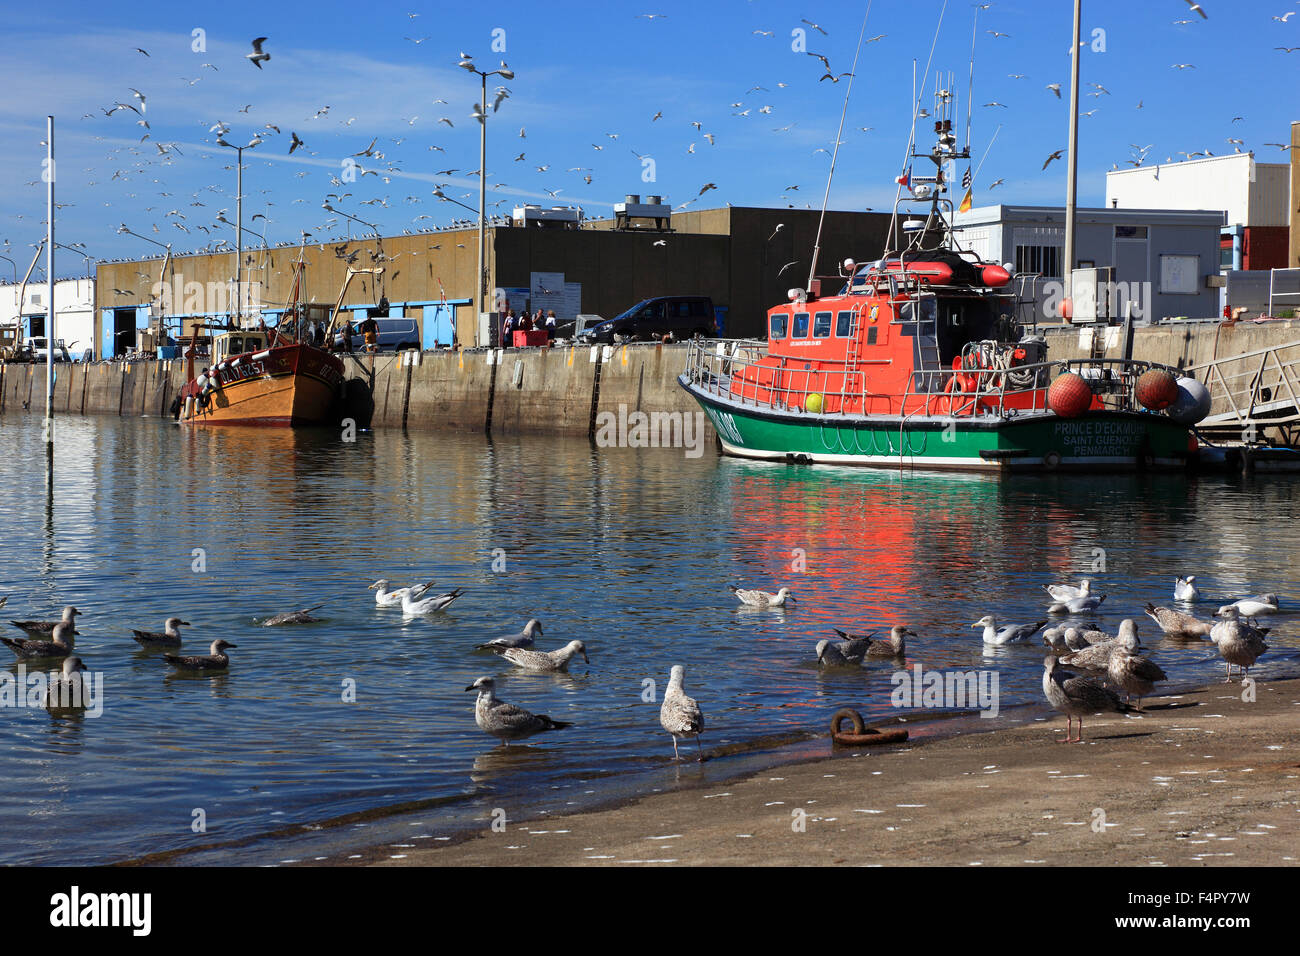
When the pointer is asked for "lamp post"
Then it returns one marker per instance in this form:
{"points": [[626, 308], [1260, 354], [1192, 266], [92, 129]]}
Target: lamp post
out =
{"points": [[162, 273], [481, 115], [339, 212], [239, 217], [14, 264]]}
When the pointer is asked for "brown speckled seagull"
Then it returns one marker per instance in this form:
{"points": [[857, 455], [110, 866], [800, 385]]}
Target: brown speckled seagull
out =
{"points": [[557, 660], [505, 721], [681, 715], [216, 660], [170, 636], [59, 646], [43, 629], [1075, 696]]}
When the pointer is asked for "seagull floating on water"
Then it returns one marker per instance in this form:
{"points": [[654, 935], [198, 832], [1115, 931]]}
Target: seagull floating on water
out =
{"points": [[1177, 624], [1075, 696], [763, 598], [1064, 592], [1185, 590], [215, 659], [1256, 605], [46, 628], [1011, 634], [294, 617], [66, 691], [170, 637], [412, 605], [681, 715], [557, 660], [59, 646], [1078, 605], [523, 639], [505, 721], [387, 598], [855, 647]]}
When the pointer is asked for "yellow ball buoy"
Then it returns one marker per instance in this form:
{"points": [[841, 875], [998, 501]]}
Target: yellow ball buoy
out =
{"points": [[813, 403]]}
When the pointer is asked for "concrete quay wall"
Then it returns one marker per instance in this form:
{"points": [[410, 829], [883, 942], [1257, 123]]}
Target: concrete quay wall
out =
{"points": [[562, 390]]}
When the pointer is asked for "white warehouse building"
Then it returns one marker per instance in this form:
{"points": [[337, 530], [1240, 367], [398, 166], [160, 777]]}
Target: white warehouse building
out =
{"points": [[74, 311], [1163, 261]]}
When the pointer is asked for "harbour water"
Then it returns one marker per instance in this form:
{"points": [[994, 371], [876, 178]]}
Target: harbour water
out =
{"points": [[630, 550]]}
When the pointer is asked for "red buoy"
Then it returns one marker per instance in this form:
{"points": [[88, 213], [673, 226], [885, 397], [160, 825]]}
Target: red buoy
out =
{"points": [[1156, 389], [1069, 396]]}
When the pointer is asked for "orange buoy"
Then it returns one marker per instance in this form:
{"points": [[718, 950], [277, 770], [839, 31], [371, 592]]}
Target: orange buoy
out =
{"points": [[861, 735], [1069, 396], [1156, 389]]}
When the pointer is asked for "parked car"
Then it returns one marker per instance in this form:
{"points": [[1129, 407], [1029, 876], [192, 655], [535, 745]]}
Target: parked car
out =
{"points": [[38, 348], [394, 334], [685, 316]]}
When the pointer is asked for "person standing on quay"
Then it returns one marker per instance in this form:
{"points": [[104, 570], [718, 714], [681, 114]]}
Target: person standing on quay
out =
{"points": [[370, 332]]}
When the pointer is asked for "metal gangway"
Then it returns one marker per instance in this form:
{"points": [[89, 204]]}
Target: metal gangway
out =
{"points": [[1252, 391]]}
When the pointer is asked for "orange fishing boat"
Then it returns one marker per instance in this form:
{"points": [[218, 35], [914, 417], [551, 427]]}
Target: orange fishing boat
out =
{"points": [[270, 376]]}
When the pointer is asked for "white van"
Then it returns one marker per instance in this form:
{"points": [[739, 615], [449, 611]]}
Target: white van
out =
{"points": [[38, 348]]}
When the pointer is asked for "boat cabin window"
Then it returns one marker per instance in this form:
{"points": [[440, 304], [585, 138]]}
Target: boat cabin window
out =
{"points": [[234, 345], [928, 310], [800, 325], [779, 322], [843, 322], [822, 325]]}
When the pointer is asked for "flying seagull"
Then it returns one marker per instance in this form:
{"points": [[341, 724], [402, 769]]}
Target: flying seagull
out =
{"points": [[1055, 155], [257, 56]]}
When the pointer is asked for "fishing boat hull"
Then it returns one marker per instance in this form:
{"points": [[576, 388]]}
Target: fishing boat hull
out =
{"points": [[288, 386], [1035, 441]]}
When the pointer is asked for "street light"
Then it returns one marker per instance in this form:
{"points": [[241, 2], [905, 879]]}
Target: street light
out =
{"points": [[481, 115], [162, 273], [239, 217], [339, 212], [14, 264]]}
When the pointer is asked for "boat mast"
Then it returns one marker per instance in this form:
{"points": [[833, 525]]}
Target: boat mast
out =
{"points": [[1072, 174], [839, 137]]}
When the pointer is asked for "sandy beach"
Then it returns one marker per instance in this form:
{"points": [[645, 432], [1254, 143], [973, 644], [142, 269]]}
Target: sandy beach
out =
{"points": [[1201, 779]]}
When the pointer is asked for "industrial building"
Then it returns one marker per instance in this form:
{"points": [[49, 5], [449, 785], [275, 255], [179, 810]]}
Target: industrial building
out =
{"points": [[74, 311], [1160, 261], [1254, 196], [743, 258]]}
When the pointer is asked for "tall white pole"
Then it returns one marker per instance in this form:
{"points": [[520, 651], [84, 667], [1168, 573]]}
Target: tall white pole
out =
{"points": [[49, 278], [479, 295], [1072, 174], [239, 232]]}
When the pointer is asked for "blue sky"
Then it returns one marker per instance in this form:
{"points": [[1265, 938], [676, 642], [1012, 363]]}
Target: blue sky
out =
{"points": [[583, 72]]}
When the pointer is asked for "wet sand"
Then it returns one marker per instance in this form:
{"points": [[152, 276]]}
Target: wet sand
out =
{"points": [[1201, 779]]}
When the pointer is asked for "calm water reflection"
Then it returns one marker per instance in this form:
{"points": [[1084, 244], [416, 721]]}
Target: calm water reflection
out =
{"points": [[631, 551]]}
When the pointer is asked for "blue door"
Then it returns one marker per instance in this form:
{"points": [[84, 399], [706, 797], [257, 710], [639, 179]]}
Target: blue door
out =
{"points": [[106, 334], [437, 326]]}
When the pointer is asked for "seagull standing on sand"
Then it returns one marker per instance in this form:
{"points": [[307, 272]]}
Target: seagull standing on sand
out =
{"points": [[1097, 656], [170, 636], [680, 715], [763, 598], [1184, 590], [557, 660], [387, 598], [1011, 634], [523, 639], [412, 605], [1134, 675], [215, 660], [505, 721], [59, 646], [1238, 642], [1075, 696]]}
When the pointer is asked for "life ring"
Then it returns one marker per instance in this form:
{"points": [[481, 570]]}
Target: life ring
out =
{"points": [[861, 735], [956, 385]]}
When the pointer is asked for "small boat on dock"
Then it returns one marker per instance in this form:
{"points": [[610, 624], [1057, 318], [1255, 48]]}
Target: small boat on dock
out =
{"points": [[919, 360]]}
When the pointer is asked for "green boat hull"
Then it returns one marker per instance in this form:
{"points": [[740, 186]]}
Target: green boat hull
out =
{"points": [[1037, 441]]}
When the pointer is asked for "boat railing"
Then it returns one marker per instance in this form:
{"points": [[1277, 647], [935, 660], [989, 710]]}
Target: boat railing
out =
{"points": [[737, 372]]}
